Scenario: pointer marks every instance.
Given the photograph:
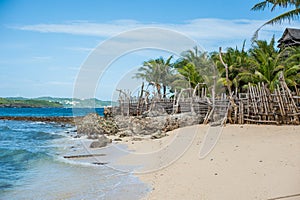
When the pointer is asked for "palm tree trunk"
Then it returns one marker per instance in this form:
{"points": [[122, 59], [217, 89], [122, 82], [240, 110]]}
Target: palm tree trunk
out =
{"points": [[158, 90], [226, 69], [164, 91]]}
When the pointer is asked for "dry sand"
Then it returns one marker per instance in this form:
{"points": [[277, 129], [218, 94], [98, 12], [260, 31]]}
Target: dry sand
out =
{"points": [[248, 162]]}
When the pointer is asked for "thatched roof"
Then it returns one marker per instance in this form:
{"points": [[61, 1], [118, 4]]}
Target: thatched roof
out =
{"points": [[290, 37]]}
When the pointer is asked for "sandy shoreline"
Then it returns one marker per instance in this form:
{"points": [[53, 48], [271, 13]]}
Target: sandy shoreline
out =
{"points": [[248, 162]]}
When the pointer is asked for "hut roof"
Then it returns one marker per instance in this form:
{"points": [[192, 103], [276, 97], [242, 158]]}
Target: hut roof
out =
{"points": [[290, 37]]}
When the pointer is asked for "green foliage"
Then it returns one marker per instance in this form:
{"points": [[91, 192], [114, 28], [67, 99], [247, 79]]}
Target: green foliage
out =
{"points": [[194, 67], [261, 63], [238, 64], [190, 74], [157, 72]]}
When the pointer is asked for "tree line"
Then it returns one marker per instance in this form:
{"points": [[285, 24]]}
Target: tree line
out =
{"points": [[263, 62]]}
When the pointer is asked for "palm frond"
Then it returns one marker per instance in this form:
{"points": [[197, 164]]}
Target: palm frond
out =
{"points": [[287, 16], [260, 6]]}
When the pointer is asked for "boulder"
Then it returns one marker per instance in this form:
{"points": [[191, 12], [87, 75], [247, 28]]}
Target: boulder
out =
{"points": [[187, 119], [101, 142], [171, 124], [158, 135], [93, 125]]}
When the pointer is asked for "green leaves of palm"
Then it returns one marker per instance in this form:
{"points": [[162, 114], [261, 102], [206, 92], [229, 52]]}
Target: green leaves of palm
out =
{"points": [[265, 59], [238, 63], [292, 63], [289, 15], [190, 74], [267, 63], [194, 67], [157, 72]]}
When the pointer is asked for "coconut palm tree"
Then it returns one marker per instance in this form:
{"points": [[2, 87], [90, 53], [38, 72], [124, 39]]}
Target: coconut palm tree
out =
{"points": [[237, 62], [265, 64], [273, 4], [157, 72], [262, 63], [195, 67], [291, 62], [190, 74]]}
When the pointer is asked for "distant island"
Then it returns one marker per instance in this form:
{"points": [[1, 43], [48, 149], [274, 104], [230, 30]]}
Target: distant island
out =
{"points": [[52, 102]]}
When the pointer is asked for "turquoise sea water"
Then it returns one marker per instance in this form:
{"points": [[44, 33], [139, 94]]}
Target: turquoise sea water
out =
{"points": [[47, 112], [32, 164]]}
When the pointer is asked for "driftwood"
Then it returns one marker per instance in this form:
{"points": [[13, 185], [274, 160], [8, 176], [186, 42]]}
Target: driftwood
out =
{"points": [[84, 155]]}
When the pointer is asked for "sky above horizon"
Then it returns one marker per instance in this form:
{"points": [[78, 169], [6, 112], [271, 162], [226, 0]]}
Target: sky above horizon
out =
{"points": [[44, 44]]}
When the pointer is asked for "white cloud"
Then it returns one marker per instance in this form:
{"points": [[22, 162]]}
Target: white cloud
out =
{"points": [[209, 32], [81, 49], [59, 83], [83, 28], [41, 58]]}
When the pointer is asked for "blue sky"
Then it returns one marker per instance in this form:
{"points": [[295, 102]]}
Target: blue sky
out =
{"points": [[44, 44]]}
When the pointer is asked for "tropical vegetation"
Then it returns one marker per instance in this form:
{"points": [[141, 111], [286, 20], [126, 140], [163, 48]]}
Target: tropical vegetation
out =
{"points": [[263, 62], [157, 72]]}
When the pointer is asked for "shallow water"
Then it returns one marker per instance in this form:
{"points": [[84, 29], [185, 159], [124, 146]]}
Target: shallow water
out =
{"points": [[32, 166]]}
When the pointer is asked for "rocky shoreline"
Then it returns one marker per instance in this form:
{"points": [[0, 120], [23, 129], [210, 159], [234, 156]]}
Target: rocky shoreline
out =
{"points": [[63, 120], [151, 125]]}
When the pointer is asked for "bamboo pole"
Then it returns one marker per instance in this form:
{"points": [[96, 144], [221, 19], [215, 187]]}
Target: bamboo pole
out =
{"points": [[242, 112], [253, 100], [266, 98], [280, 103]]}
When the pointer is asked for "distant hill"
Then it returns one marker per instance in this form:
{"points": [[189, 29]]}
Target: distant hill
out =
{"points": [[54, 102], [79, 103], [28, 103]]}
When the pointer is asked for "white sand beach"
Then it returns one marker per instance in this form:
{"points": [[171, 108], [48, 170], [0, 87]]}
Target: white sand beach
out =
{"points": [[248, 162]]}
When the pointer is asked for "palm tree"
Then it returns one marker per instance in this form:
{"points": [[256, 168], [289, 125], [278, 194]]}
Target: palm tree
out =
{"points": [[157, 72], [287, 16], [190, 74], [237, 62], [266, 64], [195, 67], [262, 63], [291, 62]]}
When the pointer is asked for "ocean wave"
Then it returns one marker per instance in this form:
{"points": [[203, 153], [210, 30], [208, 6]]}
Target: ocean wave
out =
{"points": [[41, 135], [61, 159], [14, 163], [4, 128], [19, 155], [37, 122]]}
